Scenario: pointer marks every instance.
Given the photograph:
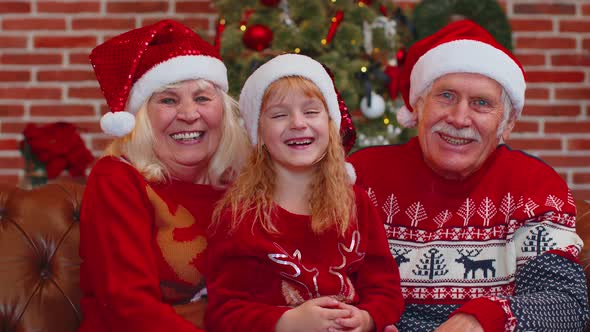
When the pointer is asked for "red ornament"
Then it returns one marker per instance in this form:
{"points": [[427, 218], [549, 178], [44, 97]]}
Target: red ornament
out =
{"points": [[393, 72], [270, 3], [336, 20], [257, 37], [218, 33], [365, 2], [400, 56]]}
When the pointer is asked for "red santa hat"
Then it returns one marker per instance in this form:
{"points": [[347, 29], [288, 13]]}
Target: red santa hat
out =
{"points": [[460, 47], [132, 66], [303, 66]]}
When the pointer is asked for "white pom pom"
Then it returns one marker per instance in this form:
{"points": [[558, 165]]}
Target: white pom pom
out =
{"points": [[351, 172], [117, 124], [406, 118]]}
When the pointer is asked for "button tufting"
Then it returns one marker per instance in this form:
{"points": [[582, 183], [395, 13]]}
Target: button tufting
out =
{"points": [[76, 215], [45, 274]]}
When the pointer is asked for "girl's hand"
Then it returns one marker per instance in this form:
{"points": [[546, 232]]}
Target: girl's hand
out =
{"points": [[316, 315], [358, 321]]}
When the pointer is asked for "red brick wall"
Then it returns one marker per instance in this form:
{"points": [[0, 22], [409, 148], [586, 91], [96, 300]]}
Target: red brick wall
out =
{"points": [[45, 75]]}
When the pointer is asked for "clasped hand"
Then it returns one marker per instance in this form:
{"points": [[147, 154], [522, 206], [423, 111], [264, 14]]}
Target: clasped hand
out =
{"points": [[325, 314]]}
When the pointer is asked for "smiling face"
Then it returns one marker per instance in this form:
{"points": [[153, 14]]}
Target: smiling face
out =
{"points": [[186, 120], [458, 123], [294, 125]]}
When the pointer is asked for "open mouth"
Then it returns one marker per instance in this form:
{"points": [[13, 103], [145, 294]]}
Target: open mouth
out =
{"points": [[297, 142], [455, 140], [187, 136]]}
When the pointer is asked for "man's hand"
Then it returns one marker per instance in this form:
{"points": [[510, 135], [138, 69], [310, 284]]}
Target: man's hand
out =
{"points": [[359, 320], [391, 328], [460, 322], [317, 315]]}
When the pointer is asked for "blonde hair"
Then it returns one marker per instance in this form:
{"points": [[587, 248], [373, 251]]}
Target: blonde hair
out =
{"points": [[331, 199], [137, 146]]}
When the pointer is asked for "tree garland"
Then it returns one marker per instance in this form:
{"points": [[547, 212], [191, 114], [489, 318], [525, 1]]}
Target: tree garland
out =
{"points": [[432, 15]]}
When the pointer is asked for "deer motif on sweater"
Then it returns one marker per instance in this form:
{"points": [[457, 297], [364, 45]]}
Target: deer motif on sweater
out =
{"points": [[471, 265], [300, 276]]}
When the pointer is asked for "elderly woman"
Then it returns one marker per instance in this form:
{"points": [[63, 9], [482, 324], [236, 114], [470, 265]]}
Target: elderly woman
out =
{"points": [[149, 200]]}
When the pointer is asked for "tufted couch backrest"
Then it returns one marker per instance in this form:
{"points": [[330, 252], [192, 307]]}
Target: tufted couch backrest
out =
{"points": [[39, 261], [40, 266]]}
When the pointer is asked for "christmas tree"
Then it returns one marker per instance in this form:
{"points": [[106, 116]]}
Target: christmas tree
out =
{"points": [[362, 42]]}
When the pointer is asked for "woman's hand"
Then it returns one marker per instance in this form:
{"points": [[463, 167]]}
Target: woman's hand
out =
{"points": [[316, 315], [460, 322]]}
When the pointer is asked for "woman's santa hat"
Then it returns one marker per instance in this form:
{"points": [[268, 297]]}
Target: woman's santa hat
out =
{"points": [[132, 66], [460, 47], [286, 65]]}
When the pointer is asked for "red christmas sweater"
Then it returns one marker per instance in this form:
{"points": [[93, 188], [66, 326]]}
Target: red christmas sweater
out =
{"points": [[142, 247], [254, 277], [468, 245]]}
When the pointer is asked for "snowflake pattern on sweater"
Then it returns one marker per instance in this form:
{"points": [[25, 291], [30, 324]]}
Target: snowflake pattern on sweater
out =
{"points": [[458, 241]]}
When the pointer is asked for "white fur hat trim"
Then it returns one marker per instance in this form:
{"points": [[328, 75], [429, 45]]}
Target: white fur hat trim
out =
{"points": [[279, 67], [468, 56], [351, 172], [180, 68]]}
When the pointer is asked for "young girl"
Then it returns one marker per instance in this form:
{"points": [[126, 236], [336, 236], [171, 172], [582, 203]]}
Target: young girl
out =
{"points": [[296, 247]]}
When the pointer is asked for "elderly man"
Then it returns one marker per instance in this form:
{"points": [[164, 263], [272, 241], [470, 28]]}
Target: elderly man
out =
{"points": [[484, 236]]}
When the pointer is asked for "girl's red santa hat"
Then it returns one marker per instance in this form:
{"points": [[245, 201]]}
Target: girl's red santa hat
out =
{"points": [[459, 47], [132, 66]]}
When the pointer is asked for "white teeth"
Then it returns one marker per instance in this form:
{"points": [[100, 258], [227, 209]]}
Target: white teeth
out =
{"points": [[299, 142], [455, 141], [187, 135]]}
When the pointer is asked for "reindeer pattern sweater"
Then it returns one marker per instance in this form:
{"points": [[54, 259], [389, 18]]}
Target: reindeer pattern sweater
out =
{"points": [[254, 277], [143, 248], [500, 245]]}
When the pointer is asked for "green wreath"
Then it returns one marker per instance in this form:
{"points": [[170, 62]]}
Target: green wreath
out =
{"points": [[431, 15]]}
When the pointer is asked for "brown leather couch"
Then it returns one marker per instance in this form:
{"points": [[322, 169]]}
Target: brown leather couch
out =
{"points": [[39, 262]]}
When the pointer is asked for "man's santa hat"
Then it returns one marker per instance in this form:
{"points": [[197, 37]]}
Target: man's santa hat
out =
{"points": [[132, 66], [460, 47], [286, 65]]}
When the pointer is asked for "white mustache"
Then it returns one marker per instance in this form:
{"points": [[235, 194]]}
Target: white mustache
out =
{"points": [[464, 133]]}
